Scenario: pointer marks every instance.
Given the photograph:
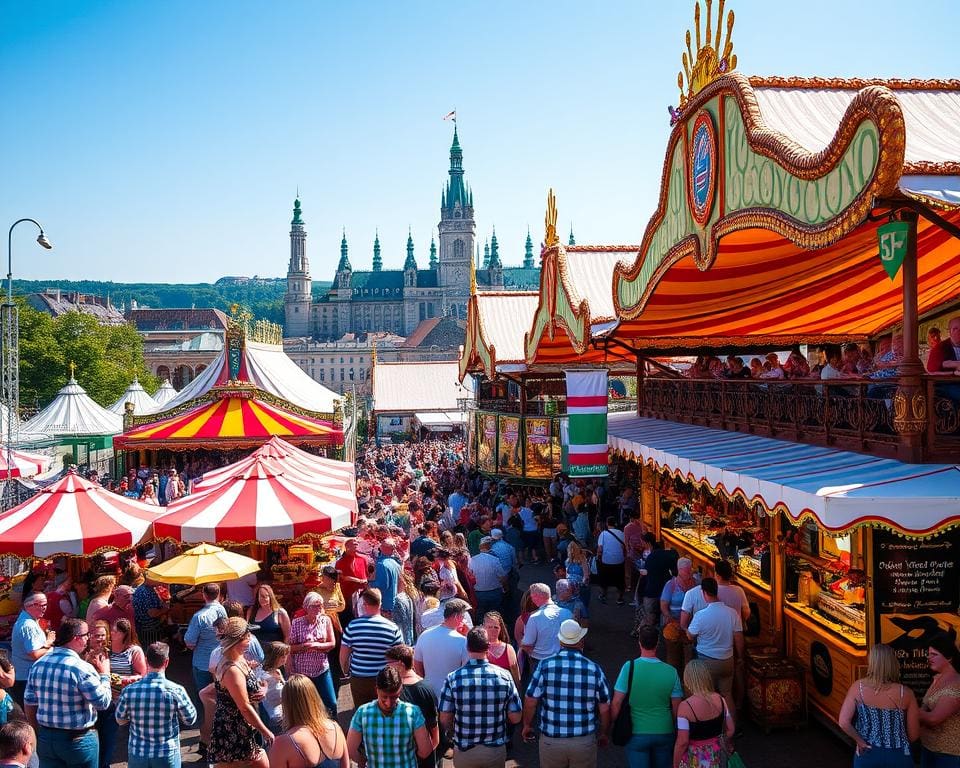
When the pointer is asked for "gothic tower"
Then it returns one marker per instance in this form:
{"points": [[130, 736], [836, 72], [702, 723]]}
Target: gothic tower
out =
{"points": [[297, 300], [457, 236]]}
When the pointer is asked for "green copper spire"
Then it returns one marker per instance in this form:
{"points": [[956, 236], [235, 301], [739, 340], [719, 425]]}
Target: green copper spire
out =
{"points": [[486, 254], [410, 263], [571, 241], [344, 261], [433, 253], [494, 251], [528, 252], [456, 192], [297, 219], [377, 261]]}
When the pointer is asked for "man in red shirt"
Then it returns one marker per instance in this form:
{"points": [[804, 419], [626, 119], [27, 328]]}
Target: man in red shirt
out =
{"points": [[352, 567], [120, 608], [945, 356]]}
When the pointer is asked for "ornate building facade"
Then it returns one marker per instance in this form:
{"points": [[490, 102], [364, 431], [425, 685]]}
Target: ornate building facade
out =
{"points": [[398, 300]]}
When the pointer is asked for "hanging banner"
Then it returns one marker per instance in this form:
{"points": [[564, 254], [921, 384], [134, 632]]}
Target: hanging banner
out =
{"points": [[537, 450], [508, 461], [892, 240], [587, 415], [487, 439]]}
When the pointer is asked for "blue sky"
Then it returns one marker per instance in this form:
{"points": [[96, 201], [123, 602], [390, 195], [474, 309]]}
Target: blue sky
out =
{"points": [[166, 141]]}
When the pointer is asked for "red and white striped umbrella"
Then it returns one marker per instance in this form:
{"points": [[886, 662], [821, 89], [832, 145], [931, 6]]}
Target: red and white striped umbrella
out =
{"points": [[289, 460], [23, 464], [74, 517], [259, 504]]}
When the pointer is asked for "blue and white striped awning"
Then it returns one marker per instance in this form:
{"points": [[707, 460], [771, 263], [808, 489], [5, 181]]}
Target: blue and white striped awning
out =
{"points": [[841, 489]]}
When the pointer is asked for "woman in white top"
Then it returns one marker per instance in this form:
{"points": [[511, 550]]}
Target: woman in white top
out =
{"points": [[611, 553]]}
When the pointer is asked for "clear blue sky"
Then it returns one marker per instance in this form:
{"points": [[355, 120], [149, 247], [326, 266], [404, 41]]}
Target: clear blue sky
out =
{"points": [[165, 141]]}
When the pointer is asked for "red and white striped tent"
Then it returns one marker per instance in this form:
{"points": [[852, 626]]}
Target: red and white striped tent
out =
{"points": [[22, 464], [74, 517], [283, 457], [262, 503]]}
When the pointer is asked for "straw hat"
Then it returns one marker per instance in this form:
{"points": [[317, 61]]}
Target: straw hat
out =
{"points": [[571, 633], [235, 629]]}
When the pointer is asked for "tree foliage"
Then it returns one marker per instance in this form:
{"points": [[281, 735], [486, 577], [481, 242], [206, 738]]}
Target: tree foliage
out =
{"points": [[106, 357]]}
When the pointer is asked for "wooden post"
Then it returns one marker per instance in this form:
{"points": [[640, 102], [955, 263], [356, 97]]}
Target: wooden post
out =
{"points": [[641, 371], [909, 401]]}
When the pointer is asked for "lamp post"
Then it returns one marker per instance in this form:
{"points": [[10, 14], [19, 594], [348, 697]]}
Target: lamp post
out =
{"points": [[10, 378]]}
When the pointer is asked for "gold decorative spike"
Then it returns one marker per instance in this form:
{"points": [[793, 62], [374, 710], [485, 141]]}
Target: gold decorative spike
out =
{"points": [[373, 354], [73, 369], [550, 237], [713, 59], [473, 277]]}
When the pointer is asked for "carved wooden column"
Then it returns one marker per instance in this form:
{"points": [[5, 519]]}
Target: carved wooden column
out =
{"points": [[910, 400]]}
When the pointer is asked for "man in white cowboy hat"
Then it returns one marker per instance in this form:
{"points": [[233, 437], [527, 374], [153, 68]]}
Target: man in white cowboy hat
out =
{"points": [[574, 702]]}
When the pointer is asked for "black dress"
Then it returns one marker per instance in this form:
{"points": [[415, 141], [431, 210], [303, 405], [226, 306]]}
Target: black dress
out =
{"points": [[232, 739]]}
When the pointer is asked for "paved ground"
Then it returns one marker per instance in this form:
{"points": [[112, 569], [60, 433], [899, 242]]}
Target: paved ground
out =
{"points": [[609, 643]]}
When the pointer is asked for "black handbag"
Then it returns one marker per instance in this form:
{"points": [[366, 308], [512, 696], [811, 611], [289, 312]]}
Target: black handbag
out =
{"points": [[623, 725]]}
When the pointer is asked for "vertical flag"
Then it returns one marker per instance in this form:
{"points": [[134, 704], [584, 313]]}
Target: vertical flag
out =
{"points": [[451, 116], [587, 416]]}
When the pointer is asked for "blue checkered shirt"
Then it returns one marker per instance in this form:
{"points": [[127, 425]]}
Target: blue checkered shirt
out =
{"points": [[569, 686], [155, 708], [479, 695], [66, 690]]}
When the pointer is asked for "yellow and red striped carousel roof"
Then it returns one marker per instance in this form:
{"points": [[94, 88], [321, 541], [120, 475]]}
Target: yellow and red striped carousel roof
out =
{"points": [[234, 418]]}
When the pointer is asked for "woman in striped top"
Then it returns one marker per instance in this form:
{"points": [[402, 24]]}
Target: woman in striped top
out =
{"points": [[126, 657]]}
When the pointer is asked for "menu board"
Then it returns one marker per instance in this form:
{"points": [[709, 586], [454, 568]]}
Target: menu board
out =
{"points": [[538, 463], [508, 462], [916, 594]]}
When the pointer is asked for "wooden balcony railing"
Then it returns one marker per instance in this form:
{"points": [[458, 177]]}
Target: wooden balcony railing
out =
{"points": [[852, 415]]}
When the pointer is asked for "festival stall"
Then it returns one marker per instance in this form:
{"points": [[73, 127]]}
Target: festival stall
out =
{"points": [[803, 212]]}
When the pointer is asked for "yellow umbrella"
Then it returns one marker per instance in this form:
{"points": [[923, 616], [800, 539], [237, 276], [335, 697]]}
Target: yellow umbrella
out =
{"points": [[203, 564]]}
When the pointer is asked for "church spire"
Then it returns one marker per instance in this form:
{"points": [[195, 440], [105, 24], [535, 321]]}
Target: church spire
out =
{"points": [[571, 241], [456, 193], [486, 254], [411, 262], [494, 251], [297, 218], [433, 253], [344, 261], [377, 261], [528, 252]]}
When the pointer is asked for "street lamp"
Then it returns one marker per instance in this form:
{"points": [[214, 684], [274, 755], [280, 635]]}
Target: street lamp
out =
{"points": [[10, 377]]}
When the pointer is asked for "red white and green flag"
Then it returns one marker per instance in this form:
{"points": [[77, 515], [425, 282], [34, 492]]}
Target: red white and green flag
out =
{"points": [[587, 417]]}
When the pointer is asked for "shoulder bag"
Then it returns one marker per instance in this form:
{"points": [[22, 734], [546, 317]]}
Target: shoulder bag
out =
{"points": [[623, 725]]}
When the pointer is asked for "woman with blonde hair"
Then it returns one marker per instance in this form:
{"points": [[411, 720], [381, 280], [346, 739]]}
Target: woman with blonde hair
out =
{"points": [[703, 721], [98, 646], [312, 739], [102, 590], [271, 622], [880, 714], [578, 570]]}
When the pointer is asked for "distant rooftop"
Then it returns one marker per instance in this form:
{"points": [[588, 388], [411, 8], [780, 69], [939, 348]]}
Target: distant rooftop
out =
{"points": [[56, 302], [206, 319]]}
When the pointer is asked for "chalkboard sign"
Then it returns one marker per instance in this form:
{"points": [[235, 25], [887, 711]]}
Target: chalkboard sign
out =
{"points": [[916, 594]]}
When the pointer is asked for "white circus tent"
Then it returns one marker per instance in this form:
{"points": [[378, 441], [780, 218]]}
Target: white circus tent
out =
{"points": [[143, 403], [165, 394], [73, 413]]}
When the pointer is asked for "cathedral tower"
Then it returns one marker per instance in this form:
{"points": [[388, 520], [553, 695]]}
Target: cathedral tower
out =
{"points": [[297, 299], [457, 236]]}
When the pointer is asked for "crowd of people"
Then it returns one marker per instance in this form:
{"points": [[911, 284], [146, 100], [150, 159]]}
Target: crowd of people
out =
{"points": [[423, 617]]}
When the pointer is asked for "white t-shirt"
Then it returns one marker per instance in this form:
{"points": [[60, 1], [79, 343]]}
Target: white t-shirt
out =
{"points": [[730, 594], [241, 589], [713, 628], [441, 650], [612, 544], [433, 617]]}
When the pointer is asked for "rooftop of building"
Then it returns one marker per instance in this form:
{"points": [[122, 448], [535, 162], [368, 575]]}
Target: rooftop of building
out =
{"points": [[192, 319], [57, 302]]}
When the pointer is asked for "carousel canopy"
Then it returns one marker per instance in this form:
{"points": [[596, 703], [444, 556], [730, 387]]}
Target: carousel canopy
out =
{"points": [[234, 417], [267, 367], [22, 464], [260, 504], [74, 517], [143, 404], [165, 394], [496, 323], [292, 461], [74, 413], [775, 242], [840, 489]]}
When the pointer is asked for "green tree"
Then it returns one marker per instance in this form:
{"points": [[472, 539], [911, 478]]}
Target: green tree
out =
{"points": [[106, 357]]}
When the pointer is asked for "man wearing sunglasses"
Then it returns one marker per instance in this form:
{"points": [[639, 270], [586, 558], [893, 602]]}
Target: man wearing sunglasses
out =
{"points": [[64, 694]]}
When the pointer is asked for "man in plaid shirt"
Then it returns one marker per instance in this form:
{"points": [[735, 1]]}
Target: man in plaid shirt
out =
{"points": [[62, 698], [155, 708], [476, 702], [574, 701]]}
